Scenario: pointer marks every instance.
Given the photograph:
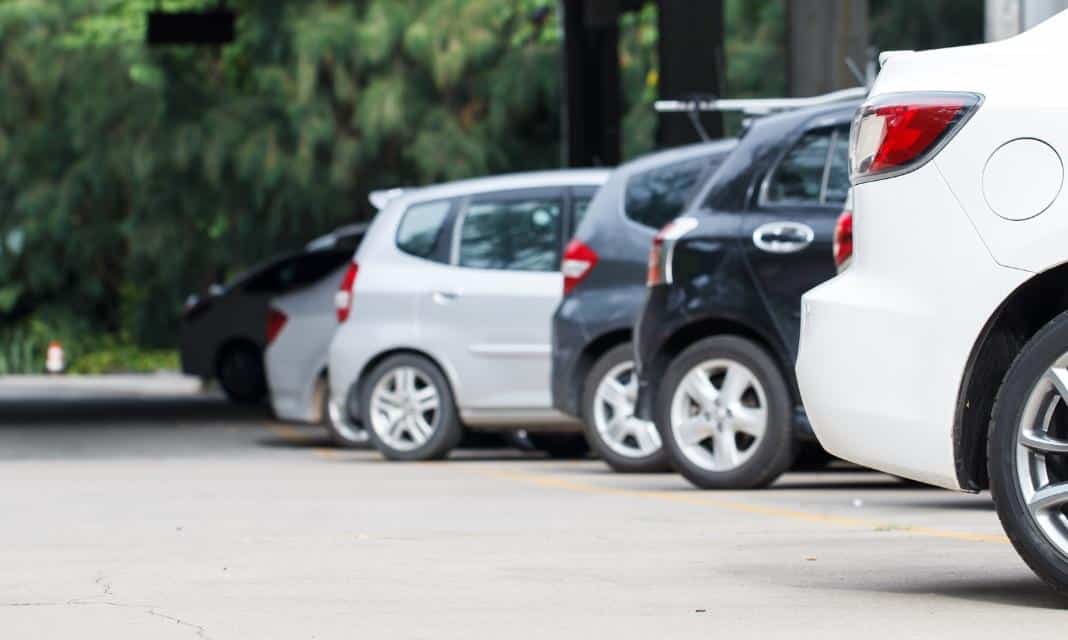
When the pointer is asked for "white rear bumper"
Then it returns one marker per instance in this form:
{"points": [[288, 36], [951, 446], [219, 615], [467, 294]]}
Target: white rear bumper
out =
{"points": [[884, 345]]}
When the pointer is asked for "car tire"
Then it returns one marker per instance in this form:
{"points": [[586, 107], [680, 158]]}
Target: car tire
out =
{"points": [[560, 446], [398, 422], [625, 443], [240, 373], [752, 419], [1024, 478], [345, 430]]}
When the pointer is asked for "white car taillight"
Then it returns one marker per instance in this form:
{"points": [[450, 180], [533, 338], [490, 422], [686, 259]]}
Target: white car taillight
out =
{"points": [[343, 297], [276, 321], [898, 132], [843, 240], [578, 262], [660, 254]]}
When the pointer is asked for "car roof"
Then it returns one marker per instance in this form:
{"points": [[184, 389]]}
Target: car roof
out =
{"points": [[505, 182], [673, 155]]}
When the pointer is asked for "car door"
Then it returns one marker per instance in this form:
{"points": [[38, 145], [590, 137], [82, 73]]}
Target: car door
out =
{"points": [[789, 232], [488, 312]]}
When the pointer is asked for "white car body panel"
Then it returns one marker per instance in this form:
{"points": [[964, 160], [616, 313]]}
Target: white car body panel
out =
{"points": [[884, 345], [296, 359], [488, 330]]}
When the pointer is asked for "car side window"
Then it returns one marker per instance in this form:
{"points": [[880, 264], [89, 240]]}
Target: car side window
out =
{"points": [[656, 197], [515, 234], [423, 230], [814, 171]]}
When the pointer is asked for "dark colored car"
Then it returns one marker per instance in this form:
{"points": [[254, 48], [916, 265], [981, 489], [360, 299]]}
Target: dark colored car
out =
{"points": [[717, 337], [605, 267], [224, 332]]}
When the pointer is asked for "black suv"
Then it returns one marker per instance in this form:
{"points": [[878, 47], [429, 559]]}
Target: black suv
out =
{"points": [[717, 338], [604, 266]]}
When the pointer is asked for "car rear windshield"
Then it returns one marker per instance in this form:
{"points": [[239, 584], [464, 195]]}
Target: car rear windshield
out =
{"points": [[656, 197], [297, 271]]}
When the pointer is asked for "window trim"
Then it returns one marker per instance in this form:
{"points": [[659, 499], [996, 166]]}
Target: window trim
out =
{"points": [[765, 184], [558, 193]]}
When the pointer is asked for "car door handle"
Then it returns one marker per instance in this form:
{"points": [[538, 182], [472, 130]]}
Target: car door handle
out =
{"points": [[444, 297], [783, 237]]}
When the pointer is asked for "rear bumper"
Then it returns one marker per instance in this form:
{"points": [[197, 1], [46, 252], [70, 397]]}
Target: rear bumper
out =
{"points": [[884, 345], [568, 343]]}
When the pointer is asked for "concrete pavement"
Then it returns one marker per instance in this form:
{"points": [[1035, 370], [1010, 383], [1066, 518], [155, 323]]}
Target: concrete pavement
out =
{"points": [[192, 518]]}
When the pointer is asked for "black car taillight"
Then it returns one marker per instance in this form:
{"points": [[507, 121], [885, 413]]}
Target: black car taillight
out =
{"points": [[276, 321], [660, 254], [579, 260], [898, 132]]}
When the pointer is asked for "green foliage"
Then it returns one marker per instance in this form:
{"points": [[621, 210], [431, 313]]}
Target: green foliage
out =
{"points": [[925, 24]]}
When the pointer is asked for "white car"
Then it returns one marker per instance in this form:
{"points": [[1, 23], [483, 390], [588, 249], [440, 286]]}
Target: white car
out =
{"points": [[941, 352], [446, 313], [300, 324]]}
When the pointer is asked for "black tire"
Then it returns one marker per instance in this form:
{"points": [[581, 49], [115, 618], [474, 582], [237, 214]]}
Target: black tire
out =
{"points": [[240, 373], [1031, 364], [446, 428], [776, 450], [653, 463], [346, 431], [561, 446]]}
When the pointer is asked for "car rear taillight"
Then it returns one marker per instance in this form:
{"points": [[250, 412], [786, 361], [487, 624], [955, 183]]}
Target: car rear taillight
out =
{"points": [[843, 240], [276, 321], [579, 260], [660, 254], [343, 297], [899, 132]]}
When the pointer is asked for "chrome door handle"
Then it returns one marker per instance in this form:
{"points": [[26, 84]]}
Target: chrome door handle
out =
{"points": [[783, 237], [444, 297]]}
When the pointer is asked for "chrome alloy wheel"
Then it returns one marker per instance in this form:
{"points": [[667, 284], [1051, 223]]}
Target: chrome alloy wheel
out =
{"points": [[1042, 454], [345, 425], [405, 408], [719, 414], [613, 414]]}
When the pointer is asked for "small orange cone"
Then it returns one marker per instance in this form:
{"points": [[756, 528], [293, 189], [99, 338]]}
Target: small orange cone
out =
{"points": [[54, 360]]}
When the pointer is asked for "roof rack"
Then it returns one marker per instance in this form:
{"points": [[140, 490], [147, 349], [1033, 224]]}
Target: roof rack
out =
{"points": [[757, 106]]}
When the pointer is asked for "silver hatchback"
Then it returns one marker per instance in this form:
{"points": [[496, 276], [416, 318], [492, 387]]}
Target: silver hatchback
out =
{"points": [[446, 317]]}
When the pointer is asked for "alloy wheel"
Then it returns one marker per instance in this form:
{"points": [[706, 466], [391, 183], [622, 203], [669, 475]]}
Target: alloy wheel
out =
{"points": [[405, 408], [613, 414], [1042, 454], [719, 415]]}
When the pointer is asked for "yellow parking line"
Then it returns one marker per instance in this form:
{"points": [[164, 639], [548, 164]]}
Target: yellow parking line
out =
{"points": [[706, 499]]}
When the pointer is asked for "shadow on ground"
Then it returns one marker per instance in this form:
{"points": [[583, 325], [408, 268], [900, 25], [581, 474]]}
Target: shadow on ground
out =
{"points": [[146, 411]]}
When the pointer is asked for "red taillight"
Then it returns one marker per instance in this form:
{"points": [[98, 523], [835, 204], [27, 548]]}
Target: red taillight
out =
{"points": [[343, 297], [843, 239], [899, 132], [654, 274], [276, 321], [578, 262]]}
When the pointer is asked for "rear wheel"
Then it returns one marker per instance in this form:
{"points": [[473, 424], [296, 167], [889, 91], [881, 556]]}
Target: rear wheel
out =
{"points": [[408, 410], [240, 373], [624, 442], [1028, 453], [723, 413]]}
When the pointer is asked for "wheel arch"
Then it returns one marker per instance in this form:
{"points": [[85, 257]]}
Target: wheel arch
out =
{"points": [[707, 326], [229, 344], [591, 353], [356, 390], [1019, 317]]}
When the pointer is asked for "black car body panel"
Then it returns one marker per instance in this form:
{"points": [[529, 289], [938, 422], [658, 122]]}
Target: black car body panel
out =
{"points": [[600, 312], [722, 281]]}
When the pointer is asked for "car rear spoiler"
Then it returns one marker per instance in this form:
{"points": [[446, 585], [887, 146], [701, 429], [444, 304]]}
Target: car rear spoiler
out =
{"points": [[381, 198]]}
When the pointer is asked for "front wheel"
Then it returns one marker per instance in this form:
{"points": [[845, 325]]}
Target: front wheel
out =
{"points": [[408, 410], [626, 443], [723, 411], [345, 430], [1027, 456]]}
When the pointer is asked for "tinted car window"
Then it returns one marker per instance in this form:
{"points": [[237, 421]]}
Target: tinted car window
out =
{"points": [[515, 234], [422, 230], [838, 168], [297, 271], [656, 197], [799, 176]]}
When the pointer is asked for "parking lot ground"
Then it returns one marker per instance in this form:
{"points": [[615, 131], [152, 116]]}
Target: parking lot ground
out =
{"points": [[185, 517]]}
